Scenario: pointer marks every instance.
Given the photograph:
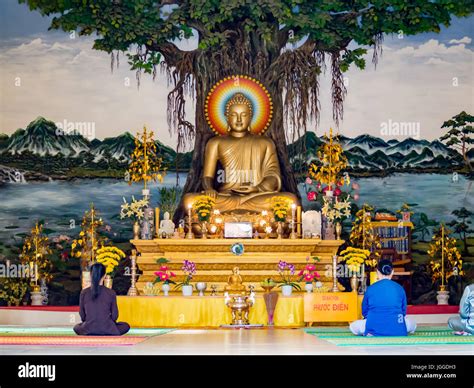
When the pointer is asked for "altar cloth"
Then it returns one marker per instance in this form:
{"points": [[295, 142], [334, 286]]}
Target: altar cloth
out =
{"points": [[203, 311]]}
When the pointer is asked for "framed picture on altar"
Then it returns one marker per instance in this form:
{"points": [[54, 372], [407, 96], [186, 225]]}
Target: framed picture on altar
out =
{"points": [[238, 230]]}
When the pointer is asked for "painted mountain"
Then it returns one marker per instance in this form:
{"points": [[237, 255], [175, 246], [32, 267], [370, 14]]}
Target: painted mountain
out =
{"points": [[369, 154], [41, 148]]}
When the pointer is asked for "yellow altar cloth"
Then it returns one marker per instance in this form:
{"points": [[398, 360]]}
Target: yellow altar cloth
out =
{"points": [[204, 311]]}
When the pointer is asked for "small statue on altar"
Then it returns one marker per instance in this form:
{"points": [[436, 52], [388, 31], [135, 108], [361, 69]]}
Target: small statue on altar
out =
{"points": [[166, 225], [234, 284]]}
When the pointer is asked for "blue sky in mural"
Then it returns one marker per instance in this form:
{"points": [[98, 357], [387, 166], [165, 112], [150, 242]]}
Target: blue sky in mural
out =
{"points": [[421, 80]]}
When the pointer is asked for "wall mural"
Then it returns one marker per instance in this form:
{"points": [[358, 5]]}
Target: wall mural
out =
{"points": [[56, 160]]}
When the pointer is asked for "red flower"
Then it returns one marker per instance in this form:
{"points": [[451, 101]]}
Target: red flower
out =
{"points": [[164, 268], [158, 273], [301, 272], [308, 277], [172, 274], [337, 192], [312, 196], [310, 267]]}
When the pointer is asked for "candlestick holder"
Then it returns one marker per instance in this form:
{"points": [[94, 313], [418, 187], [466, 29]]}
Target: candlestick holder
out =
{"points": [[293, 234], [132, 291], [190, 234], [334, 274]]}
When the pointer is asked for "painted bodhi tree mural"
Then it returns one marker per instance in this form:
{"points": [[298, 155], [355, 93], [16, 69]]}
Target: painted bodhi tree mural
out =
{"points": [[283, 44]]}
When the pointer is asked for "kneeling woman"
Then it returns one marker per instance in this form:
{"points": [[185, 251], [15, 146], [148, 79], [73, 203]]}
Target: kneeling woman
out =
{"points": [[384, 307], [98, 308]]}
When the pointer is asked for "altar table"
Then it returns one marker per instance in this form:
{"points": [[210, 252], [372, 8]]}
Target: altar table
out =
{"points": [[205, 311], [215, 261]]}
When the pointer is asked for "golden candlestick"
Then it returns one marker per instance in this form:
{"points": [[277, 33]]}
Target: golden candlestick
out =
{"points": [[157, 221], [132, 291], [334, 274], [190, 234], [293, 234], [298, 221]]}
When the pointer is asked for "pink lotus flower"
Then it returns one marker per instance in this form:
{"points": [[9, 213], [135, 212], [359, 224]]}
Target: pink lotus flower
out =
{"points": [[355, 186], [356, 197], [308, 181], [312, 196]]}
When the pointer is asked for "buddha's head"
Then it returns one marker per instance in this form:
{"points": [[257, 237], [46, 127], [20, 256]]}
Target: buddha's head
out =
{"points": [[238, 111]]}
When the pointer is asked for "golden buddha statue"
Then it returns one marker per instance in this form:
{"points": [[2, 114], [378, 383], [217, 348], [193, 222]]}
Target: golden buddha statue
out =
{"points": [[251, 171], [234, 283]]}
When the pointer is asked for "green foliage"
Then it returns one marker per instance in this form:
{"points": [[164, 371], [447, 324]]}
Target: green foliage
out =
{"points": [[119, 25], [169, 198], [459, 135]]}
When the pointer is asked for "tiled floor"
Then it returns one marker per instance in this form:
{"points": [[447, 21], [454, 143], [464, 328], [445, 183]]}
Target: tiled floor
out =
{"points": [[239, 342]]}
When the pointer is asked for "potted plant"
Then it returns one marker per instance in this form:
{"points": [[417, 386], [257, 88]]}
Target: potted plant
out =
{"points": [[308, 274], [110, 257], [164, 276], [189, 269], [287, 271], [134, 210]]}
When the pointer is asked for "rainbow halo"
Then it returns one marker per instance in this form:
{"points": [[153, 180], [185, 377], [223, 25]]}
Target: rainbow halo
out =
{"points": [[221, 93]]}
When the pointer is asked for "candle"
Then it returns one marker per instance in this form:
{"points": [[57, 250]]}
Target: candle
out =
{"points": [[293, 212], [298, 220]]}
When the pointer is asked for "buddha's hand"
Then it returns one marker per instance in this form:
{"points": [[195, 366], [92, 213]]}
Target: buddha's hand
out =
{"points": [[211, 193], [246, 190]]}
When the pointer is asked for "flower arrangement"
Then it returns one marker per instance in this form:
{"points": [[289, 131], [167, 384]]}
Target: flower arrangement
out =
{"points": [[287, 271], [36, 250], [90, 237], [309, 273], [280, 207], [330, 164], [134, 209], [355, 257], [164, 275], [336, 211], [203, 207], [145, 162], [110, 257], [189, 269], [443, 247], [13, 290]]}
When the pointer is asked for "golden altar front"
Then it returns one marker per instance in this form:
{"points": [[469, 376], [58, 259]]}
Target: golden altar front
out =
{"points": [[210, 311], [215, 261]]}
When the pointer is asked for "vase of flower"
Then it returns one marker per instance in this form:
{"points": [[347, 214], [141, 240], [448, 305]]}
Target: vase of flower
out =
{"points": [[338, 230], [187, 290], [165, 287], [286, 290], [308, 287], [136, 230], [108, 281]]}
